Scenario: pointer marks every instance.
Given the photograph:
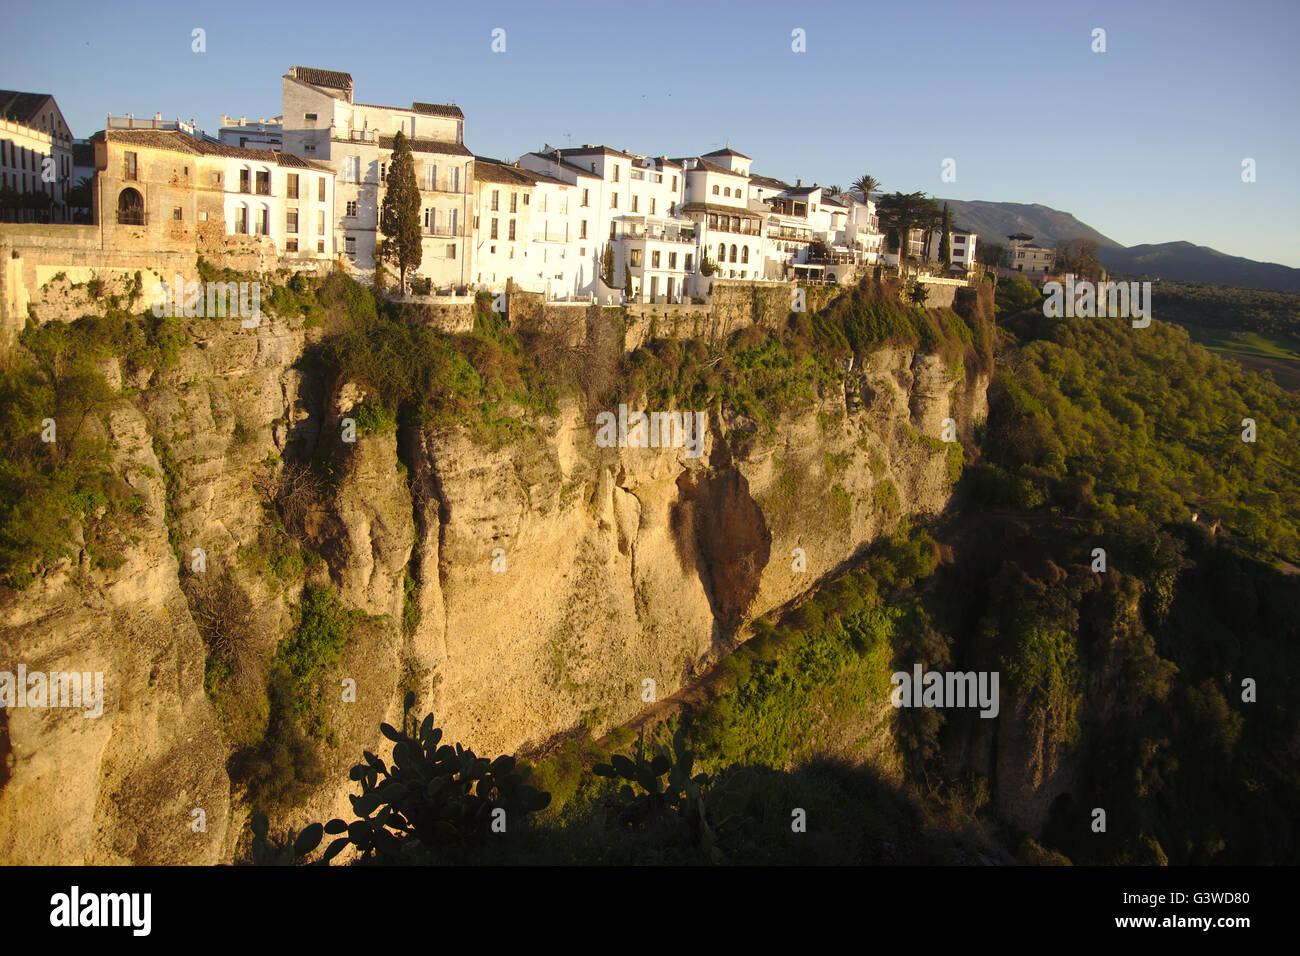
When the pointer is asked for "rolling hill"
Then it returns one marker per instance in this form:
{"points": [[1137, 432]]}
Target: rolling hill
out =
{"points": [[994, 221]]}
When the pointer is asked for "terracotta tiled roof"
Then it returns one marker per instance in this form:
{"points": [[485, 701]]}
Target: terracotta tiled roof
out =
{"points": [[21, 107], [178, 142], [593, 150], [494, 171], [728, 152], [426, 146], [329, 79], [768, 182], [551, 157], [438, 109], [702, 163]]}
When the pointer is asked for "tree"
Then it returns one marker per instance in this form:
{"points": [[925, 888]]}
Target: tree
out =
{"points": [[867, 184], [1078, 257], [989, 253], [627, 278], [945, 244], [900, 213], [399, 215], [607, 266]]}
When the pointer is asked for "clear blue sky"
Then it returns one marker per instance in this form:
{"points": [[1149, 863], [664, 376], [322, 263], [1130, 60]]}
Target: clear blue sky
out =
{"points": [[1143, 142]]}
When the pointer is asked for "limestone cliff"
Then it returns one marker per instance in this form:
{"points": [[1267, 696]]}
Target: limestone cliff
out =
{"points": [[520, 590]]}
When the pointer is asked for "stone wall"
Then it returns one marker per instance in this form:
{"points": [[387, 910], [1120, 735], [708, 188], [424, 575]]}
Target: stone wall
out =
{"points": [[733, 305], [50, 272]]}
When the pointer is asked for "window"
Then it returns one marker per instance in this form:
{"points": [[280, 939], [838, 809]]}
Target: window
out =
{"points": [[433, 176], [583, 233], [291, 245], [613, 201], [291, 222], [263, 221], [320, 245], [744, 254], [244, 180], [320, 222], [512, 231], [128, 164], [263, 182], [496, 199], [352, 208], [654, 259], [689, 256], [309, 117], [584, 197], [672, 260], [454, 223], [715, 190], [176, 213], [636, 258], [726, 191], [383, 172], [733, 252], [493, 233], [514, 202], [241, 220], [652, 206], [451, 250], [455, 182], [616, 172], [722, 252], [525, 199], [634, 203], [350, 245], [292, 186], [309, 148], [320, 192], [674, 184], [351, 170]]}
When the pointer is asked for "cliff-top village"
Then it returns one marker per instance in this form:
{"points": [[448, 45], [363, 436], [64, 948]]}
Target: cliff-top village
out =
{"points": [[303, 191]]}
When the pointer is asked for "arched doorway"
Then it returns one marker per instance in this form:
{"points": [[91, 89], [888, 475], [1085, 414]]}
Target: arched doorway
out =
{"points": [[130, 208]]}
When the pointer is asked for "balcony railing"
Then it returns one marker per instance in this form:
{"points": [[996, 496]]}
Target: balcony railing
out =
{"points": [[127, 217], [657, 235], [445, 232]]}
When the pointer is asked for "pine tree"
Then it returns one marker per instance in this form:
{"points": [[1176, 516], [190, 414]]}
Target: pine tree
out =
{"points": [[627, 278], [399, 216]]}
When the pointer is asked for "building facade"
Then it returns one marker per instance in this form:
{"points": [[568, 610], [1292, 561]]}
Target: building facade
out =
{"points": [[35, 158], [262, 133], [164, 189], [322, 122]]}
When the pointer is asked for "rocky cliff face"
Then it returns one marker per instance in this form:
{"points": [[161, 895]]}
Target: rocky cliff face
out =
{"points": [[520, 590]]}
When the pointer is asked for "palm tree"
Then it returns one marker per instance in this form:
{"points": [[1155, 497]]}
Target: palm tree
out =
{"points": [[867, 184]]}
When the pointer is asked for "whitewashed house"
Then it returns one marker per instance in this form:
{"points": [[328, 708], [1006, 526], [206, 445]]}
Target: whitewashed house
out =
{"points": [[322, 121]]}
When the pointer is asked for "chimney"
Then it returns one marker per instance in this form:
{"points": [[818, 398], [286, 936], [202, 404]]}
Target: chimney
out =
{"points": [[798, 183], [242, 120]]}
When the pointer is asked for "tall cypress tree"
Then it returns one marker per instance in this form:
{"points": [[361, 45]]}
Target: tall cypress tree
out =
{"points": [[399, 216], [945, 244]]}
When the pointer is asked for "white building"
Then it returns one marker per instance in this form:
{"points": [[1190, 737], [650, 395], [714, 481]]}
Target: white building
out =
{"points": [[260, 134], [161, 189], [321, 121], [963, 248], [600, 186], [32, 130], [729, 229]]}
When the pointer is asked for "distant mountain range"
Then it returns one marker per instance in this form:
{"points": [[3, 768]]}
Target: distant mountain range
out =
{"points": [[994, 221]]}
